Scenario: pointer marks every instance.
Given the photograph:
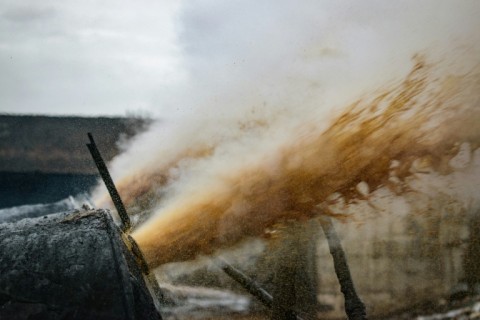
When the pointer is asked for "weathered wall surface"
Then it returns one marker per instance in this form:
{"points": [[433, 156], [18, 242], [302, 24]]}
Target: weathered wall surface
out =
{"points": [[397, 259], [400, 259]]}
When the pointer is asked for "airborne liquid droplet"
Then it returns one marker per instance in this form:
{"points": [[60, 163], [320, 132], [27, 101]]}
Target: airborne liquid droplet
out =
{"points": [[416, 127]]}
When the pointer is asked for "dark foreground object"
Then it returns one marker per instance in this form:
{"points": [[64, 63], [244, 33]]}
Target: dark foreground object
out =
{"points": [[70, 266], [354, 307], [107, 179], [246, 282]]}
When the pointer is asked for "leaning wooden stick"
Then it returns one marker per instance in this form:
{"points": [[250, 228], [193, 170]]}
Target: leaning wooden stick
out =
{"points": [[107, 179], [354, 307], [246, 282], [252, 287]]}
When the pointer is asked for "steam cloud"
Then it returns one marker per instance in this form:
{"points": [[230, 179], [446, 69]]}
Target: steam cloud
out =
{"points": [[287, 104]]}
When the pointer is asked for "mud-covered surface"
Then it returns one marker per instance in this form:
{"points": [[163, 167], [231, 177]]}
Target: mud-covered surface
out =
{"points": [[70, 266], [459, 306]]}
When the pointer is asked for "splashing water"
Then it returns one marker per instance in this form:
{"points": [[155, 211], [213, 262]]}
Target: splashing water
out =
{"points": [[284, 120], [420, 122]]}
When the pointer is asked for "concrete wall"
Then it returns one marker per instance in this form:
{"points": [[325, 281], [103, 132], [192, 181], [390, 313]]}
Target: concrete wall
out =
{"points": [[399, 259]]}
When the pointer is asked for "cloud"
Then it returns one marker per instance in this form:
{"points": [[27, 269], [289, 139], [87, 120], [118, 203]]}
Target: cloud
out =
{"points": [[26, 14], [106, 57], [86, 57]]}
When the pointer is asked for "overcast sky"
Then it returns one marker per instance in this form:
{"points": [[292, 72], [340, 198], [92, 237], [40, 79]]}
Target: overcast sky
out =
{"points": [[86, 57], [111, 57]]}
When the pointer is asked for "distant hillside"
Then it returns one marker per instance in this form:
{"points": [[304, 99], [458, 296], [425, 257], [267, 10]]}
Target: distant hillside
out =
{"points": [[57, 144]]}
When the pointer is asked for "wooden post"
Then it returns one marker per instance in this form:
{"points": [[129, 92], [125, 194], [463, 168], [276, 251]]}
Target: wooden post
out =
{"points": [[278, 313], [354, 307], [247, 283], [107, 179]]}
